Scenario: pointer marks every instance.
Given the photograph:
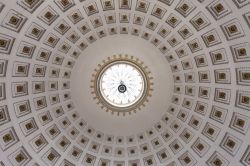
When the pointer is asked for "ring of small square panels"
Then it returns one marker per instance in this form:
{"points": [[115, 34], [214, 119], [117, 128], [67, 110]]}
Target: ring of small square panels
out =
{"points": [[205, 42]]}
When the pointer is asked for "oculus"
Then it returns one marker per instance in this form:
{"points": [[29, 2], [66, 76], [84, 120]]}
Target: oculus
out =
{"points": [[122, 84]]}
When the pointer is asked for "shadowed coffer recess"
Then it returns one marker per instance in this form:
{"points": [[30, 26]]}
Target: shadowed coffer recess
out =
{"points": [[205, 43]]}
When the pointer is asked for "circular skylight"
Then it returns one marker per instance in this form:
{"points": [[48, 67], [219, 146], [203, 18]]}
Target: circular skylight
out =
{"points": [[121, 84], [49, 51]]}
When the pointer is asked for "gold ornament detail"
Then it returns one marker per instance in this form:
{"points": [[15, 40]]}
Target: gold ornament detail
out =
{"points": [[147, 78]]}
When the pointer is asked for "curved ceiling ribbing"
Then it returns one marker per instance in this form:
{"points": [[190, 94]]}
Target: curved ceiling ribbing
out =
{"points": [[206, 44]]}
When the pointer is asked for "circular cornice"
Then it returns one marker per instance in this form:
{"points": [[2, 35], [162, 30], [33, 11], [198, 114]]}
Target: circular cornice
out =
{"points": [[136, 63], [198, 113], [121, 84]]}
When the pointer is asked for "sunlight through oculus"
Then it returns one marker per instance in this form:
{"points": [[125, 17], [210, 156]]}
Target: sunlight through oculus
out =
{"points": [[121, 84]]}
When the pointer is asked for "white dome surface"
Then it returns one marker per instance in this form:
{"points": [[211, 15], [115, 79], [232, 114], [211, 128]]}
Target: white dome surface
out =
{"points": [[196, 54], [130, 124]]}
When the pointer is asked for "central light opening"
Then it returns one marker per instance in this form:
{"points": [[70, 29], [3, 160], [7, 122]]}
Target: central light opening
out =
{"points": [[121, 84]]}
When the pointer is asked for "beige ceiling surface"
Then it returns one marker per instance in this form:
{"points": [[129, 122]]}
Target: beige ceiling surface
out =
{"points": [[110, 123], [198, 53]]}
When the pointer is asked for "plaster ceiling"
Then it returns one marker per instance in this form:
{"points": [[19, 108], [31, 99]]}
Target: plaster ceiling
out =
{"points": [[107, 122], [198, 53]]}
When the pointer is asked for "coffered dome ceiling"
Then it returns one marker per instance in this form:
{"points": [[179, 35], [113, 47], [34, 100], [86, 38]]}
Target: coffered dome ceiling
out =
{"points": [[195, 55]]}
